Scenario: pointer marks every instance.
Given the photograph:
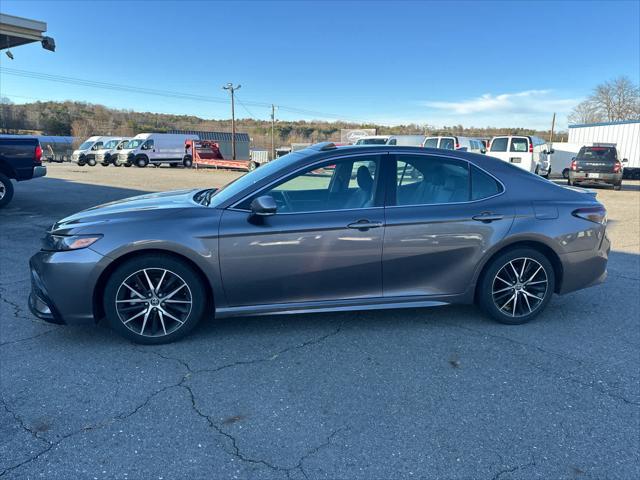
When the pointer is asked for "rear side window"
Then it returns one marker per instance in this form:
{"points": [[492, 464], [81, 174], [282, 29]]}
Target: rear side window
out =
{"points": [[519, 145], [447, 143], [499, 144], [431, 142], [483, 185], [424, 180]]}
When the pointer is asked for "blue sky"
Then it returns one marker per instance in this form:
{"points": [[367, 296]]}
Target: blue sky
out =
{"points": [[437, 63]]}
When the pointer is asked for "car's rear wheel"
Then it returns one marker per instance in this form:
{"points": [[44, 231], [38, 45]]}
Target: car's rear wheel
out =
{"points": [[617, 186], [565, 173], [91, 162], [516, 286], [6, 190], [154, 299]]}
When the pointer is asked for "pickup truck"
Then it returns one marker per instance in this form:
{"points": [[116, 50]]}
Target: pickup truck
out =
{"points": [[20, 159]]}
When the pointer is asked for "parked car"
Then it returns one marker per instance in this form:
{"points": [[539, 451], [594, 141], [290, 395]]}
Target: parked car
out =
{"points": [[85, 154], [466, 144], [283, 239], [20, 159], [108, 154], [373, 140], [527, 152], [156, 148], [596, 165], [406, 140]]}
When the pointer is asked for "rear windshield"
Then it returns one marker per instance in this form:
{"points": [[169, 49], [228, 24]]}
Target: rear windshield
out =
{"points": [[499, 144], [606, 154], [519, 144]]}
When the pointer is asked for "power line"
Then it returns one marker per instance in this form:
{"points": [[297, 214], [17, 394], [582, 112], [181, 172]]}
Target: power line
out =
{"points": [[162, 93]]}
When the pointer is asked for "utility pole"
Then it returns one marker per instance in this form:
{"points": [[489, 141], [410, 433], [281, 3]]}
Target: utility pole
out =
{"points": [[553, 126], [232, 89], [273, 129]]}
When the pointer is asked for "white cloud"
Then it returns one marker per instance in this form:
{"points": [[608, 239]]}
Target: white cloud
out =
{"points": [[529, 108]]}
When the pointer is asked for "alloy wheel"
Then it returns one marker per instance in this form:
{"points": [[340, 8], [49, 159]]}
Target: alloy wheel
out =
{"points": [[3, 190], [153, 302], [520, 287]]}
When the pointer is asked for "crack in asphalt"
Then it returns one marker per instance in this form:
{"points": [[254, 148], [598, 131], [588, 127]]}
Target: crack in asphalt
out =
{"points": [[11, 342], [597, 386], [504, 471], [237, 453]]}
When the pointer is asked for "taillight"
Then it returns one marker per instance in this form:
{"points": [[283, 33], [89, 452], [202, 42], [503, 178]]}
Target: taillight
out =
{"points": [[593, 214], [574, 165], [38, 157], [457, 146], [530, 146], [616, 167]]}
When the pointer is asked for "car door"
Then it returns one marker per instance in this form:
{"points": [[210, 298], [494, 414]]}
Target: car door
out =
{"points": [[439, 223], [324, 243]]}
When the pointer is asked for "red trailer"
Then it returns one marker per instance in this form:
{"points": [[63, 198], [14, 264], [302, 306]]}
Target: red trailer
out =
{"points": [[206, 153]]}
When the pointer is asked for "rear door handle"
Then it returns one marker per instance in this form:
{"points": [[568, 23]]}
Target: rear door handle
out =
{"points": [[364, 225], [487, 217]]}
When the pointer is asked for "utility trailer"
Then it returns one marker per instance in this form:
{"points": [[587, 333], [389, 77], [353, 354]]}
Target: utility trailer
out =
{"points": [[206, 153]]}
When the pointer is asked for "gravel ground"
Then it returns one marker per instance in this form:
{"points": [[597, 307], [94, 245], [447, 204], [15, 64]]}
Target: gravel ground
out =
{"points": [[431, 393]]}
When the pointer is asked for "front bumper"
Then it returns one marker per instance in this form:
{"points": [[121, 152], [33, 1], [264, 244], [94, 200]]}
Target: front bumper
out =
{"points": [[595, 177], [62, 285]]}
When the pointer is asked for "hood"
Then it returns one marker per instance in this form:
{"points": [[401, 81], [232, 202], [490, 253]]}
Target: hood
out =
{"points": [[128, 209]]}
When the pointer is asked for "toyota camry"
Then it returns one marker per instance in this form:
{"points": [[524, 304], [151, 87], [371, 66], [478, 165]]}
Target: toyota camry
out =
{"points": [[325, 229]]}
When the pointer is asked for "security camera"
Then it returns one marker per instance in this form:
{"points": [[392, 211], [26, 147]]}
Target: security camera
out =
{"points": [[9, 54], [49, 43]]}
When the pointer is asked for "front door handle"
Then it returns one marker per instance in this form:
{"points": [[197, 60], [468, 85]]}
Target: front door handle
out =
{"points": [[487, 217], [364, 224]]}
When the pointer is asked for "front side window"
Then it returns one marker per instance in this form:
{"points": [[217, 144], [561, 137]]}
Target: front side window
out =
{"points": [[148, 145], [425, 180], [499, 144], [447, 144], [97, 146], [335, 185], [519, 145]]}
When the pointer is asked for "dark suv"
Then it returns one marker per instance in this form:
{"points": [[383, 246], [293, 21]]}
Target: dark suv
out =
{"points": [[596, 165]]}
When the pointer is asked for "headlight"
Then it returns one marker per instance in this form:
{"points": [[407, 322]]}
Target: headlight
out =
{"points": [[59, 243]]}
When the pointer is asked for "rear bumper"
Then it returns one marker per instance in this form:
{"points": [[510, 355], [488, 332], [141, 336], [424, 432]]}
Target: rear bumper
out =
{"points": [[587, 177], [39, 171], [585, 268]]}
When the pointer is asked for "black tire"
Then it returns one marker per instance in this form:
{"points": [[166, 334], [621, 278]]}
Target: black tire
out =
{"points": [[173, 165], [128, 164], [104, 164], [569, 182], [154, 262], [489, 287], [91, 162], [6, 190], [617, 186], [252, 166], [565, 173], [116, 162], [81, 163], [142, 161], [187, 162]]}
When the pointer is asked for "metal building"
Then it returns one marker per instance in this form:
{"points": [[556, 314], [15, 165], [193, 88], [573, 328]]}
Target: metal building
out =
{"points": [[15, 31], [624, 134], [223, 139]]}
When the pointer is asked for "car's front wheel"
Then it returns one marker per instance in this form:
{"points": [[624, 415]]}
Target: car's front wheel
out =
{"points": [[516, 286], [154, 299]]}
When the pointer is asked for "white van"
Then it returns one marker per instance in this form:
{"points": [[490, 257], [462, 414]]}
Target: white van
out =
{"points": [[527, 152], [373, 140], [109, 152], [406, 140], [86, 152], [156, 148], [450, 142]]}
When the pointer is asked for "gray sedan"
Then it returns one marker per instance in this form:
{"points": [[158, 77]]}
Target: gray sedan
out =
{"points": [[325, 229]]}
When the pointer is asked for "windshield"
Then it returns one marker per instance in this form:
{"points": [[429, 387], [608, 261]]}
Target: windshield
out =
{"points": [[110, 144], [134, 143], [372, 141], [86, 145], [241, 183], [605, 154]]}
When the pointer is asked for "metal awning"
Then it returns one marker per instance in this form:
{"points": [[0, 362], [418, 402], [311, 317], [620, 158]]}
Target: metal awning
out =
{"points": [[16, 31]]}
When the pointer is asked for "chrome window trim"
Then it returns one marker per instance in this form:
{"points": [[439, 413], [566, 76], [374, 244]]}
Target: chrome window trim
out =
{"points": [[311, 165], [469, 165]]}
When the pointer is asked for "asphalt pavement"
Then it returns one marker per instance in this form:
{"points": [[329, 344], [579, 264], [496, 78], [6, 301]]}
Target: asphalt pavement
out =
{"points": [[424, 393]]}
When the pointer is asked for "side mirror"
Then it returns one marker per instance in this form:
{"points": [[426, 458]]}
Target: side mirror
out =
{"points": [[625, 160], [573, 158], [483, 150], [263, 206], [552, 151]]}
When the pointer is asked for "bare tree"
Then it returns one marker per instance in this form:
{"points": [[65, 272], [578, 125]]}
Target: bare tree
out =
{"points": [[618, 99]]}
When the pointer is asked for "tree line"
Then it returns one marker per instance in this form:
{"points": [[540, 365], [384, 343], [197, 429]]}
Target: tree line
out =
{"points": [[82, 120]]}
